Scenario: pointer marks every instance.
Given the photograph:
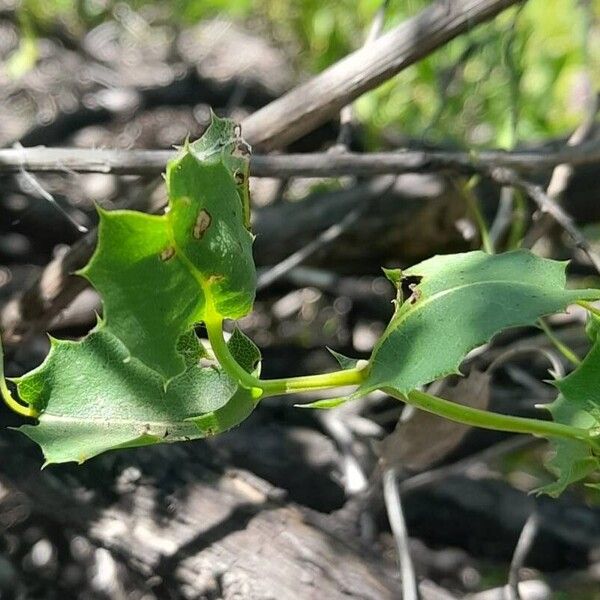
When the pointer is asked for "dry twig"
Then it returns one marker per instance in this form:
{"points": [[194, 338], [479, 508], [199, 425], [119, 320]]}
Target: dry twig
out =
{"points": [[549, 206], [395, 514], [317, 164], [311, 104], [524, 544]]}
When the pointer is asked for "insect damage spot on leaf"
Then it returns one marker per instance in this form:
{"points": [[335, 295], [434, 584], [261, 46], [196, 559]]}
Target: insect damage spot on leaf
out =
{"points": [[167, 254], [215, 278], [203, 222], [415, 294], [242, 149], [408, 287], [239, 177]]}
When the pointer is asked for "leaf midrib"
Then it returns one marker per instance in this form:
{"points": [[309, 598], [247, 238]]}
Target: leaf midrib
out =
{"points": [[426, 301], [46, 417]]}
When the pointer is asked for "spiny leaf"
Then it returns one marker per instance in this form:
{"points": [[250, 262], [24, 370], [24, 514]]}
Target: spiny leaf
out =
{"points": [[578, 404], [136, 379], [160, 275], [93, 397], [243, 402], [460, 301], [245, 351], [236, 410]]}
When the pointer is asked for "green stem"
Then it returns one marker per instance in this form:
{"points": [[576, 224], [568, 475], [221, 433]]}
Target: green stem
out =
{"points": [[590, 307], [488, 420], [519, 221], [292, 385], [562, 348], [473, 204], [438, 406], [21, 409], [274, 387], [214, 328]]}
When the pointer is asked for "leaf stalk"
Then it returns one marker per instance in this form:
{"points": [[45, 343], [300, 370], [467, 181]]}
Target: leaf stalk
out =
{"points": [[275, 387], [489, 420], [21, 409]]}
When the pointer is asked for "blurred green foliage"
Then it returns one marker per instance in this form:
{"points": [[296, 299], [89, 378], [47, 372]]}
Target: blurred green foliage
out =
{"points": [[524, 76]]}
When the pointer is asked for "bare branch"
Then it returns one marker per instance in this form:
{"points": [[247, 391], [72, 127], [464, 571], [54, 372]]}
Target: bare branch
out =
{"points": [[563, 173], [319, 164], [299, 111], [549, 206], [347, 112]]}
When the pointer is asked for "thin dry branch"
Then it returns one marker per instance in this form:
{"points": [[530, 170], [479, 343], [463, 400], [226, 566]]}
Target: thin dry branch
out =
{"points": [[393, 505], [318, 164], [563, 173], [548, 206], [347, 112], [371, 191]]}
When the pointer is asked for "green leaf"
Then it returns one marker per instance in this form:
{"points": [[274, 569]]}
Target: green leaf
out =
{"points": [[578, 405], [93, 396], [394, 276], [460, 302], [160, 275], [245, 352], [137, 379]]}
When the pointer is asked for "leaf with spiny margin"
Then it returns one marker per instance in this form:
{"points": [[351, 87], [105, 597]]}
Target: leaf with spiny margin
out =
{"points": [[93, 396], [460, 302], [577, 405], [158, 275]]}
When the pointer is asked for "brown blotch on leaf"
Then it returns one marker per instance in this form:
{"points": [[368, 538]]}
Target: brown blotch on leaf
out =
{"points": [[241, 149], [203, 222], [167, 254]]}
